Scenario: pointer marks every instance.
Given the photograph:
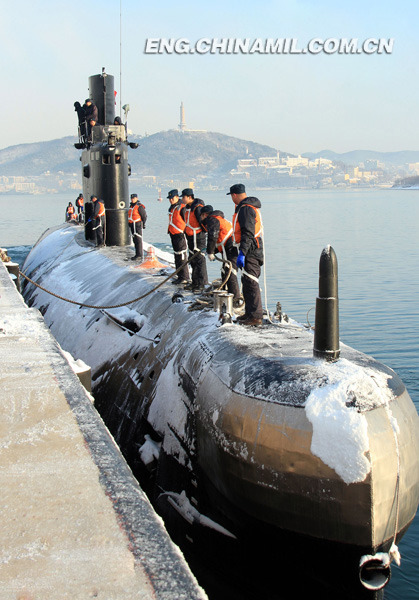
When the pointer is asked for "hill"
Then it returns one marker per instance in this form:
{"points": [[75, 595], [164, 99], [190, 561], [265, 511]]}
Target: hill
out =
{"points": [[192, 153], [164, 154], [37, 158], [355, 157]]}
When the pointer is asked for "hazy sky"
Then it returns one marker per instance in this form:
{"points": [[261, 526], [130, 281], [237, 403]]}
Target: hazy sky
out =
{"points": [[292, 102]]}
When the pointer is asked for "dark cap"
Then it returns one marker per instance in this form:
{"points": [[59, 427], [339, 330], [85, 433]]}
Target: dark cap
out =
{"points": [[187, 192], [87, 100], [207, 209], [134, 196], [172, 194], [93, 196], [237, 188]]}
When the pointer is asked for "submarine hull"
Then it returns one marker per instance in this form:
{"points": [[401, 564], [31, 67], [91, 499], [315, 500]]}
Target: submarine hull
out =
{"points": [[214, 419]]}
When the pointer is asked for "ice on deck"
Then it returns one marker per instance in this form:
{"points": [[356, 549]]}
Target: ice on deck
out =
{"points": [[74, 522]]}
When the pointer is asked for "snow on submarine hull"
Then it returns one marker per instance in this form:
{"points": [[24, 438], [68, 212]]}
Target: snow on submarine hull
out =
{"points": [[241, 425]]}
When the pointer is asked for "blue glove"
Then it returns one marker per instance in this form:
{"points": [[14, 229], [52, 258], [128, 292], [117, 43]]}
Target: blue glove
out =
{"points": [[240, 260]]}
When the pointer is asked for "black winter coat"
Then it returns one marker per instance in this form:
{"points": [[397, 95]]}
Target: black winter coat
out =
{"points": [[247, 221]]}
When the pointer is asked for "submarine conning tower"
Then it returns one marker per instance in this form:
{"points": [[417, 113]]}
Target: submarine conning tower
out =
{"points": [[326, 329], [105, 167]]}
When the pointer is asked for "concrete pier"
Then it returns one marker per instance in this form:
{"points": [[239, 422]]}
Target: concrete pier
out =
{"points": [[74, 523]]}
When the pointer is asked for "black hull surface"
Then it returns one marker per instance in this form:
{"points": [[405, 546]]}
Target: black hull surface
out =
{"points": [[223, 425]]}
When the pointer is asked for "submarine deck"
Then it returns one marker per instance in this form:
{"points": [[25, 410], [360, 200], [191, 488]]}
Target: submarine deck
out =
{"points": [[279, 349], [75, 523]]}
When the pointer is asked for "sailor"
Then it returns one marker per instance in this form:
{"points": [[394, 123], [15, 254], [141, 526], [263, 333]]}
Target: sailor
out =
{"points": [[69, 212], [117, 121], [91, 114], [176, 231], [195, 237], [81, 114], [80, 207], [247, 236], [220, 239], [137, 217], [98, 219]]}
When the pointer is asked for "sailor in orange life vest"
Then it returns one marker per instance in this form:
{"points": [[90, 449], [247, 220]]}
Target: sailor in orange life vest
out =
{"points": [[80, 207], [137, 218], [220, 239], [69, 212], [196, 238], [98, 219], [176, 230], [247, 237]]}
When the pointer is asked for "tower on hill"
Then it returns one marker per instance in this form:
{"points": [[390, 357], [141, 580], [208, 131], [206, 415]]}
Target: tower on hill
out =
{"points": [[182, 124]]}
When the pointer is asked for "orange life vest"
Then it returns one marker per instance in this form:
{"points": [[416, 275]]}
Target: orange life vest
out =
{"points": [[70, 210], [237, 234], [226, 230], [81, 202], [101, 209], [176, 222], [192, 225], [133, 213]]}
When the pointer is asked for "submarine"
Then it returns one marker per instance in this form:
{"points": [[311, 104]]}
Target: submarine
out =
{"points": [[240, 436]]}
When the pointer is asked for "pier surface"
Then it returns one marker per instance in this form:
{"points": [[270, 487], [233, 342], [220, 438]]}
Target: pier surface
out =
{"points": [[74, 522]]}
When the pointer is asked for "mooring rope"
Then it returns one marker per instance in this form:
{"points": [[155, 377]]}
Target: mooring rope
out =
{"points": [[229, 267], [397, 487], [114, 305], [265, 288], [129, 301]]}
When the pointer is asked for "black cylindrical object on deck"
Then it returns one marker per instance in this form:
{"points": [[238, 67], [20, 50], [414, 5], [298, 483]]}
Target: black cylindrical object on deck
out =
{"points": [[326, 332], [117, 231], [88, 228]]}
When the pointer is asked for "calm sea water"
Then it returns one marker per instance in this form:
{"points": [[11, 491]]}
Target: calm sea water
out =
{"points": [[375, 235]]}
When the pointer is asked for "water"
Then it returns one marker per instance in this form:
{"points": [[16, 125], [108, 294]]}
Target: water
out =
{"points": [[375, 235]]}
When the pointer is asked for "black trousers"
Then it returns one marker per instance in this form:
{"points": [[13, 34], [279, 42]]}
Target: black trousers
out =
{"points": [[251, 289], [232, 283], [98, 225], [198, 263], [180, 251], [137, 237]]}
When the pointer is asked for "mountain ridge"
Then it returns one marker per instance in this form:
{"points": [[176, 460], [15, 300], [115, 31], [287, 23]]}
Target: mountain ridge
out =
{"points": [[355, 157], [172, 154], [161, 154]]}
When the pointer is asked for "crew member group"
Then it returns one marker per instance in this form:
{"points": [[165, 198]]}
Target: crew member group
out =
{"points": [[197, 230], [196, 227]]}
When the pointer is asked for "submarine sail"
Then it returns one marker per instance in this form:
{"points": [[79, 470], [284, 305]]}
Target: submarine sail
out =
{"points": [[105, 166]]}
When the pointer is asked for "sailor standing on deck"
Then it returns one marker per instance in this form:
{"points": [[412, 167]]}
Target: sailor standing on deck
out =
{"points": [[247, 236], [220, 239], [137, 217], [98, 220], [80, 207], [176, 231], [196, 239], [69, 212]]}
